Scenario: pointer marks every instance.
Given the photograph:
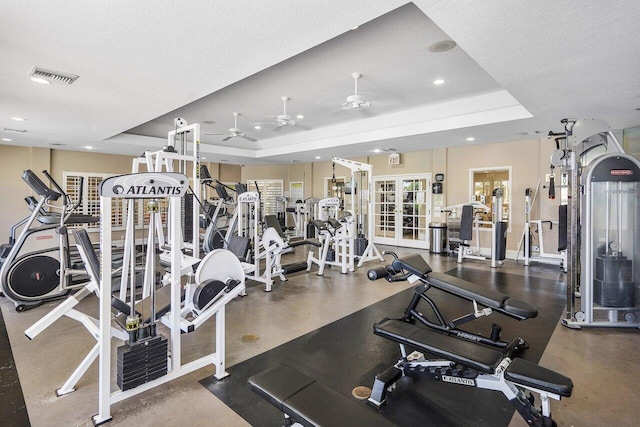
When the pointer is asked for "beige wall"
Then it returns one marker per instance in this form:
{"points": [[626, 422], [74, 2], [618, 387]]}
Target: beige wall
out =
{"points": [[528, 159]]}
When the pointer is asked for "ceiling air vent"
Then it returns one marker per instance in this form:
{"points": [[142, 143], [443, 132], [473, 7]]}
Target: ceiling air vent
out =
{"points": [[53, 76]]}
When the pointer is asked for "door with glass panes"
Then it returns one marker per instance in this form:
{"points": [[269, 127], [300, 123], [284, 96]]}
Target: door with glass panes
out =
{"points": [[402, 210]]}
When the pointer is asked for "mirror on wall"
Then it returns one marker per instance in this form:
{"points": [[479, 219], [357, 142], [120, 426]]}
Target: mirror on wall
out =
{"points": [[482, 183]]}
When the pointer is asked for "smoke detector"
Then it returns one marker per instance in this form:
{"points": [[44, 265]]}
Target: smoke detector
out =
{"points": [[442, 46]]}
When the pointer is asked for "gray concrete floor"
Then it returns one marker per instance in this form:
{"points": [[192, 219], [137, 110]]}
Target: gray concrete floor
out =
{"points": [[602, 363]]}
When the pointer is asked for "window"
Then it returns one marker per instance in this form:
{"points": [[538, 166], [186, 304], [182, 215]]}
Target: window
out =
{"points": [[269, 190], [90, 203]]}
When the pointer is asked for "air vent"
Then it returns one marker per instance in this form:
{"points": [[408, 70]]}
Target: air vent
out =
{"points": [[53, 76]]}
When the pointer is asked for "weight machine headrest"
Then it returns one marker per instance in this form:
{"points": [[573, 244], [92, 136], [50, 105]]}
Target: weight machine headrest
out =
{"points": [[38, 186]]}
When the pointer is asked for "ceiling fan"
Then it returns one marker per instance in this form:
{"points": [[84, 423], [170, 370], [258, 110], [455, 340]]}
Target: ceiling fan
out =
{"points": [[284, 119], [234, 132], [355, 101]]}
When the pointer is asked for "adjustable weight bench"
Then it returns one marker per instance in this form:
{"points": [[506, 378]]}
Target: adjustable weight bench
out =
{"points": [[462, 362], [304, 401], [492, 300]]}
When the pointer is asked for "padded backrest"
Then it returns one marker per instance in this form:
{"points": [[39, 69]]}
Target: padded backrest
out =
{"points": [[92, 263], [239, 245], [319, 224], [414, 264], [272, 221], [466, 223], [562, 227]]}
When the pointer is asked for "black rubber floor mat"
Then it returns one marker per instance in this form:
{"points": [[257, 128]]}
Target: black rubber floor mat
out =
{"points": [[12, 405], [346, 354]]}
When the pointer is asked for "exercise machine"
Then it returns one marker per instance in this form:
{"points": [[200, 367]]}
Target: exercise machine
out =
{"points": [[229, 281], [337, 244], [602, 231], [310, 213], [469, 220], [39, 265], [537, 226], [464, 361], [603, 227], [273, 246], [362, 208]]}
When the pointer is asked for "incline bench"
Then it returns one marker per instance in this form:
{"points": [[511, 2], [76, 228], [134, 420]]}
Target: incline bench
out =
{"points": [[305, 401], [464, 361], [492, 300]]}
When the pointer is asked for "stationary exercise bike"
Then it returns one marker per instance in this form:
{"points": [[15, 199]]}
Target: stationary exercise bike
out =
{"points": [[39, 265]]}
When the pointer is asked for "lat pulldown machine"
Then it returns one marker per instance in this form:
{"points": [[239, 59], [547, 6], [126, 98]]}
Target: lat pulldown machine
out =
{"points": [[364, 216], [604, 227]]}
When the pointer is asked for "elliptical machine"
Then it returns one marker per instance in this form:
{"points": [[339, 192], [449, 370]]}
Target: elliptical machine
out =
{"points": [[38, 266]]}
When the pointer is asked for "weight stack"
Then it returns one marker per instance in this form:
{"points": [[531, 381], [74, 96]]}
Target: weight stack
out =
{"points": [[613, 285], [141, 362], [360, 245]]}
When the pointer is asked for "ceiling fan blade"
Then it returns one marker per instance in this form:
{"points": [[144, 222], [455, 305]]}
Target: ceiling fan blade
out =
{"points": [[248, 138], [227, 138]]}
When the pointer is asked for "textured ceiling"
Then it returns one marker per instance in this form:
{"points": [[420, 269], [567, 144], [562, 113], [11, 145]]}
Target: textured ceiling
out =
{"points": [[518, 67]]}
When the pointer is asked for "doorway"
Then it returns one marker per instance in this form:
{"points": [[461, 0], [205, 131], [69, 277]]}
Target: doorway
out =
{"points": [[402, 210]]}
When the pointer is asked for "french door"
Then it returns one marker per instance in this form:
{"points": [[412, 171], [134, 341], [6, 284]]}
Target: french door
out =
{"points": [[402, 210]]}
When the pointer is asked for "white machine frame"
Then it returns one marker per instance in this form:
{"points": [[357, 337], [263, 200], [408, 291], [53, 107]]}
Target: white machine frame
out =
{"points": [[543, 257], [341, 238], [371, 252], [159, 161], [177, 185]]}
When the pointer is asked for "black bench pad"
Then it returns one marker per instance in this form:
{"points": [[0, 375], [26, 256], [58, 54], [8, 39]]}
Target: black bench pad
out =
{"points": [[523, 372], [488, 297], [308, 402], [417, 265], [313, 242], [444, 346]]}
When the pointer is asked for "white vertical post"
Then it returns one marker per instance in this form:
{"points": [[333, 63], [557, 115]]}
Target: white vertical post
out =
{"points": [[104, 341]]}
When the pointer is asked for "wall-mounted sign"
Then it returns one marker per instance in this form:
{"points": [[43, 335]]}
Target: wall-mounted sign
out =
{"points": [[394, 159]]}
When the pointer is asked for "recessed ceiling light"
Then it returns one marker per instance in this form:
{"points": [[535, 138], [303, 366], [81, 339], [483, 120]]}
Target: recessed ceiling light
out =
{"points": [[471, 138], [7, 139], [377, 150], [40, 80], [88, 147], [438, 82], [19, 119], [299, 116], [318, 157], [442, 46], [203, 158], [258, 127]]}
